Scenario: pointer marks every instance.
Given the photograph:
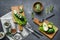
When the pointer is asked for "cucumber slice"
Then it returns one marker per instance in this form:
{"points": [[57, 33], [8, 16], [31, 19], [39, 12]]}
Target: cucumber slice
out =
{"points": [[15, 12]]}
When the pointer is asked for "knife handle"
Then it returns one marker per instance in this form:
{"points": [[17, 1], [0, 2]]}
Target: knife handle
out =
{"points": [[38, 33], [35, 20], [49, 16], [35, 35]]}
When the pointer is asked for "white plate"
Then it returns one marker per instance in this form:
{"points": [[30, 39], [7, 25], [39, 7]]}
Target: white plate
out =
{"points": [[3, 35]]}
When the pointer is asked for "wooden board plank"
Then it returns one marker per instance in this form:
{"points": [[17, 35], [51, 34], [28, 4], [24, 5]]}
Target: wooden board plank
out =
{"points": [[35, 20], [23, 8], [40, 23], [17, 9], [14, 8], [20, 28]]}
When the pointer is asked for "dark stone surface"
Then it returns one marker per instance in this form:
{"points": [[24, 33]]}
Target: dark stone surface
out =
{"points": [[5, 7]]}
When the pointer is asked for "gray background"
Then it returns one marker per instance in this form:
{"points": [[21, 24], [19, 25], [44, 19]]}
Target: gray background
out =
{"points": [[5, 7]]}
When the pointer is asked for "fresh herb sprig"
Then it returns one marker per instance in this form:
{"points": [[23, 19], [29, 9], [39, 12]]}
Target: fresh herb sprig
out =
{"points": [[49, 9], [32, 15]]}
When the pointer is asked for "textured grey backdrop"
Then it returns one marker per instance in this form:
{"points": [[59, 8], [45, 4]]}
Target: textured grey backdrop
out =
{"points": [[5, 7]]}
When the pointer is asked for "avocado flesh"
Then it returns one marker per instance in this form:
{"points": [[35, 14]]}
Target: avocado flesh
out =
{"points": [[45, 26]]}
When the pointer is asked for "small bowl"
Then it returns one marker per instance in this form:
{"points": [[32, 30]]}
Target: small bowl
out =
{"points": [[41, 7], [2, 35], [8, 25]]}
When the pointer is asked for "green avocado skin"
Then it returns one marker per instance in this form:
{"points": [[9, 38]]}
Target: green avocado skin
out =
{"points": [[50, 31]]}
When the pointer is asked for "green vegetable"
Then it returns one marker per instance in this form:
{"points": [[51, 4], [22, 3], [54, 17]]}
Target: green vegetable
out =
{"points": [[49, 9], [37, 7], [50, 31], [50, 26], [50, 23], [45, 26], [21, 17], [17, 15], [21, 10], [20, 21], [32, 15], [41, 28]]}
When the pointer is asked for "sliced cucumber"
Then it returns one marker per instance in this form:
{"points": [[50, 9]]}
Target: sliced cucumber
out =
{"points": [[20, 9], [15, 12]]}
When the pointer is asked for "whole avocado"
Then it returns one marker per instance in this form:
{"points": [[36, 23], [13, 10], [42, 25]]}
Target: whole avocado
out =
{"points": [[50, 31]]}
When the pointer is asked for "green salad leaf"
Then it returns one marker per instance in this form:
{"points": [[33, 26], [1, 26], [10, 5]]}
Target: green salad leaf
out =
{"points": [[41, 28]]}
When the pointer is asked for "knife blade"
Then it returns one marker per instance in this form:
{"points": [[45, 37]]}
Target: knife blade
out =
{"points": [[28, 27], [33, 32], [38, 33]]}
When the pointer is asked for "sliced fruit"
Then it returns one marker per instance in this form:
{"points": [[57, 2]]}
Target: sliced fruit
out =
{"points": [[50, 26], [45, 27]]}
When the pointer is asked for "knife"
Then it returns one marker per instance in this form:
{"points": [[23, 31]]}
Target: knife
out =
{"points": [[34, 32], [47, 17], [37, 33]]}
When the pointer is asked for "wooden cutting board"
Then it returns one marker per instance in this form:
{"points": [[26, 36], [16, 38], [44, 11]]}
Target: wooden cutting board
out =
{"points": [[17, 9], [35, 20]]}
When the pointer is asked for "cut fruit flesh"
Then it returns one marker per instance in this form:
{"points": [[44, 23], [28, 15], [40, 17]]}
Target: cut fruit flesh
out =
{"points": [[45, 27]]}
